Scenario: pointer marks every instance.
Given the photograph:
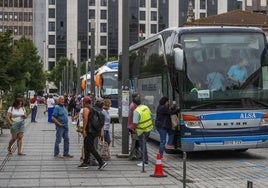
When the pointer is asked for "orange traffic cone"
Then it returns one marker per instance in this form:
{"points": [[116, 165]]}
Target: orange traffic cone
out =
{"points": [[158, 171]]}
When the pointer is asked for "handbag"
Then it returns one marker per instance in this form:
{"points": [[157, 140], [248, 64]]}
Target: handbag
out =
{"points": [[103, 149], [174, 121], [79, 127]]}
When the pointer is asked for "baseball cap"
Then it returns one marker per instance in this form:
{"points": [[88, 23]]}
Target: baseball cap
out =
{"points": [[86, 99]]}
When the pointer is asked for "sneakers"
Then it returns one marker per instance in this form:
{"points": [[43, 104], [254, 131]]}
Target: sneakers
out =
{"points": [[58, 156], [83, 165], [140, 164], [68, 156], [102, 165]]}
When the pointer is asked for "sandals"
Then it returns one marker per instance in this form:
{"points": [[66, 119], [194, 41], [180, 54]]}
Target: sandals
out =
{"points": [[9, 151], [21, 154]]}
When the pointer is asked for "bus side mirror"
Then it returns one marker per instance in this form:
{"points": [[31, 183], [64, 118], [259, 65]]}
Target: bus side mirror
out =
{"points": [[178, 59]]}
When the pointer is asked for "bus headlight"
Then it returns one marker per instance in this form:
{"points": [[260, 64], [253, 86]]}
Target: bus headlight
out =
{"points": [[264, 120], [192, 121]]}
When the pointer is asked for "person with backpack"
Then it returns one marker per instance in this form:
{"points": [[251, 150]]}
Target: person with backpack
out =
{"points": [[15, 118], [93, 122]]}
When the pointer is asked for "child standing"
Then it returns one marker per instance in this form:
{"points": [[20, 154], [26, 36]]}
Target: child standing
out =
{"points": [[106, 107]]}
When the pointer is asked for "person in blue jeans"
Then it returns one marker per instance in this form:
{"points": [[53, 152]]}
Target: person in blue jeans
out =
{"points": [[164, 126], [60, 118], [33, 106], [142, 120]]}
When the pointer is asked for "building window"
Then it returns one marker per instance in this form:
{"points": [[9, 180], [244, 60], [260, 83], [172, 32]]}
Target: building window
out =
{"points": [[51, 2], [202, 4], [30, 3], [91, 13], [20, 16], [5, 16], [26, 17], [26, 5], [5, 3], [51, 65], [103, 27], [16, 16], [31, 16], [142, 28], [153, 15], [10, 3], [153, 28], [103, 51], [51, 13], [91, 3], [103, 40], [20, 3], [51, 39], [103, 2], [142, 15], [51, 26], [142, 3], [1, 5], [154, 3], [103, 14], [51, 53], [202, 15], [30, 30], [1, 16], [11, 16]]}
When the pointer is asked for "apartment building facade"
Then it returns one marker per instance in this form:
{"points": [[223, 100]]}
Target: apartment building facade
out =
{"points": [[63, 28]]}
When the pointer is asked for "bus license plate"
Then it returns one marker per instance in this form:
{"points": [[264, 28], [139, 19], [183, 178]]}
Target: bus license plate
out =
{"points": [[232, 142]]}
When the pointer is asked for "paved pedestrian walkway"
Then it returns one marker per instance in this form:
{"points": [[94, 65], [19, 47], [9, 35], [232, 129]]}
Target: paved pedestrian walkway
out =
{"points": [[40, 169]]}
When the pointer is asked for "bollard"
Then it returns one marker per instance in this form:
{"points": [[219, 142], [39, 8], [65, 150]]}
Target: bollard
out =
{"points": [[250, 184], [112, 133], [184, 169], [143, 151]]}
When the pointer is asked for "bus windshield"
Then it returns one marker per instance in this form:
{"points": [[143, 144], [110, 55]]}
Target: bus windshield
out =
{"points": [[223, 70], [109, 83]]}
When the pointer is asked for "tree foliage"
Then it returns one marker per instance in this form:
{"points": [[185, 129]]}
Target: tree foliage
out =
{"points": [[20, 67]]}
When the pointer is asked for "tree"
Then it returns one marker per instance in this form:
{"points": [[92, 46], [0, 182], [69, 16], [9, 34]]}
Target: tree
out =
{"points": [[5, 54], [28, 73]]}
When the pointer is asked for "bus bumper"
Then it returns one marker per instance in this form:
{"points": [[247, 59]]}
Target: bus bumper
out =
{"points": [[224, 143]]}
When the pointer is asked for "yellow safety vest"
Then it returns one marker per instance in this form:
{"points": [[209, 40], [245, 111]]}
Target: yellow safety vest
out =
{"points": [[145, 122]]}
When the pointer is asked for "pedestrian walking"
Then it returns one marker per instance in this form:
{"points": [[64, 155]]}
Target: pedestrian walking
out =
{"points": [[50, 107], [15, 118], [134, 152], [60, 118], [90, 135], [142, 120], [33, 106]]}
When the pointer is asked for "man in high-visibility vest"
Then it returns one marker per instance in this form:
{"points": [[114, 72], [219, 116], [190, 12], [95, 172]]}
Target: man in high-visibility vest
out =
{"points": [[142, 120]]}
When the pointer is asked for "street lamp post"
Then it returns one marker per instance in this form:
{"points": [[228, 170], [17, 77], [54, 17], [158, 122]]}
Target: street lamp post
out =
{"points": [[125, 74], [71, 73], [78, 67], [92, 56]]}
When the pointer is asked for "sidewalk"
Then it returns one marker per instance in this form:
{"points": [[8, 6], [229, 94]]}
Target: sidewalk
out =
{"points": [[40, 169]]}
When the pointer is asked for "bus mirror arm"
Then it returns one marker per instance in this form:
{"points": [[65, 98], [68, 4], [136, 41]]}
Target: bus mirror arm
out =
{"points": [[178, 59]]}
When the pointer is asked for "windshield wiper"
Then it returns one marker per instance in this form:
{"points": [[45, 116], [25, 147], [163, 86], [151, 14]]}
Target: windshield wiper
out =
{"points": [[202, 105], [255, 101]]}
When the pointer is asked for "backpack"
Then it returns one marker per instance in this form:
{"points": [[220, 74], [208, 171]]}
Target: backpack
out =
{"points": [[95, 120], [72, 103]]}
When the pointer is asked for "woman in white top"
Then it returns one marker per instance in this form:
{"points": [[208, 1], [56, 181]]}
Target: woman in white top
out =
{"points": [[50, 107], [15, 117]]}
